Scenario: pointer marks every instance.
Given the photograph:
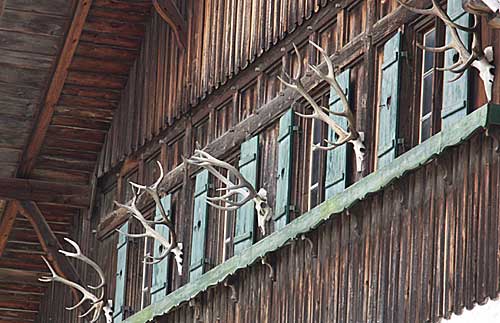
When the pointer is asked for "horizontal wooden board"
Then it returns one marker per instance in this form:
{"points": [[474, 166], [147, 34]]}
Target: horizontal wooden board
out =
{"points": [[32, 23]]}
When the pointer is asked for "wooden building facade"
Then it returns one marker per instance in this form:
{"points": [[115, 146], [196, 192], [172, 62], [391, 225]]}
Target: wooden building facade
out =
{"points": [[410, 235]]}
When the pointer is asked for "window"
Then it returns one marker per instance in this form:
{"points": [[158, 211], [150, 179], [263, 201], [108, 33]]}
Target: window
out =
{"points": [[316, 161], [229, 221], [317, 134], [430, 84], [147, 272]]}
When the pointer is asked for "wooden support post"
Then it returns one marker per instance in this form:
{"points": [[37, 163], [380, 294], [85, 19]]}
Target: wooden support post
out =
{"points": [[169, 12], [6, 224], [45, 192], [48, 240]]}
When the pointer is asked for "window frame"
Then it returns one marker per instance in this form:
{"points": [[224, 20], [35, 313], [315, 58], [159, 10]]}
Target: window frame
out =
{"points": [[437, 83]]}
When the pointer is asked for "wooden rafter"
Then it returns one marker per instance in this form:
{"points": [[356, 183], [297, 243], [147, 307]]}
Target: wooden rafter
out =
{"points": [[46, 192], [46, 111], [169, 12]]}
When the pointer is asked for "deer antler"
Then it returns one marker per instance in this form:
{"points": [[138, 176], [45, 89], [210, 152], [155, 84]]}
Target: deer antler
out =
{"points": [[243, 188], [172, 246], [322, 113], [98, 304], [477, 57]]}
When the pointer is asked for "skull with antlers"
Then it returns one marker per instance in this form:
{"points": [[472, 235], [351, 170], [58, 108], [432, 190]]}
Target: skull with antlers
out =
{"points": [[172, 246], [323, 114], [98, 303], [477, 57], [243, 189]]}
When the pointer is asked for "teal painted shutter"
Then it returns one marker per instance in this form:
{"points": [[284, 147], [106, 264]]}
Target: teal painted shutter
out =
{"points": [[245, 216], [389, 102], [455, 94], [121, 276], [199, 226], [336, 159], [161, 269], [285, 159]]}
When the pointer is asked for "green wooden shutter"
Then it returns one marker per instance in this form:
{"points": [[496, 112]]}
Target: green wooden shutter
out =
{"points": [[455, 94], [389, 102], [245, 216], [121, 276], [160, 270], [199, 226], [285, 159], [336, 159]]}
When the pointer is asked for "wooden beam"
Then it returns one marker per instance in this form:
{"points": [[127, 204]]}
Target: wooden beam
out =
{"points": [[44, 192], [2, 6], [46, 110], [6, 224], [169, 12], [48, 240]]}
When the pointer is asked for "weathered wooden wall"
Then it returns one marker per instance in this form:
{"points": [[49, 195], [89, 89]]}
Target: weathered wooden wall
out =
{"points": [[419, 250]]}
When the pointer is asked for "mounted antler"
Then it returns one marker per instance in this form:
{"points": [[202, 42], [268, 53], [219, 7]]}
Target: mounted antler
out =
{"points": [[98, 304], [479, 59], [172, 246], [323, 114], [243, 188]]}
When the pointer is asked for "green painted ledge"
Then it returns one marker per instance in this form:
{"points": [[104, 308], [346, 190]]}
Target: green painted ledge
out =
{"points": [[413, 159]]}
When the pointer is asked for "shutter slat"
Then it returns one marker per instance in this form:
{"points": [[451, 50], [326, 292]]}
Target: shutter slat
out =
{"points": [[285, 159], [199, 226], [389, 102], [336, 159], [161, 270], [245, 216], [455, 94], [121, 275]]}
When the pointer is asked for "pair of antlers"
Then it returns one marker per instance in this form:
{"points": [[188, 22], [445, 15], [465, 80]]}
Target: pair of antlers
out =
{"points": [[98, 304], [477, 57], [169, 246], [351, 134], [243, 189]]}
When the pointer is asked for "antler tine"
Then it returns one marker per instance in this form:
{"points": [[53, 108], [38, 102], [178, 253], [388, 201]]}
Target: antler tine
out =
{"points": [[332, 80], [299, 58], [79, 255]]}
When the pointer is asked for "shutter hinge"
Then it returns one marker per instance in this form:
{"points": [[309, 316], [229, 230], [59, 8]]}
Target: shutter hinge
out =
{"points": [[293, 208], [295, 129], [403, 54], [401, 141]]}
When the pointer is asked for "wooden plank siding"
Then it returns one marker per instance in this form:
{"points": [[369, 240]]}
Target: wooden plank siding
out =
{"points": [[225, 38], [421, 249]]}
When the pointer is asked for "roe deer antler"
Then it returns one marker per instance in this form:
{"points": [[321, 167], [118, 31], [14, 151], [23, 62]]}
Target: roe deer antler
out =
{"points": [[172, 246], [477, 57], [98, 304], [244, 189], [321, 113]]}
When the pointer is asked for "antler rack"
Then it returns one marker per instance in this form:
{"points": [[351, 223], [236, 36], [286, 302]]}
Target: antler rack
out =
{"points": [[172, 246], [351, 135], [98, 304], [477, 57], [243, 188]]}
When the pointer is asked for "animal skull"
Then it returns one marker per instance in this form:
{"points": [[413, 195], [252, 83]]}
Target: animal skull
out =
{"points": [[263, 210]]}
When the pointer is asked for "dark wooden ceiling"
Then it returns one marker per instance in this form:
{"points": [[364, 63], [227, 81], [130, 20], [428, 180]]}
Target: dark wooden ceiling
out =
{"points": [[32, 37]]}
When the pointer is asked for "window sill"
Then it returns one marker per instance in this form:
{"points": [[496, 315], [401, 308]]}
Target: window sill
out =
{"points": [[411, 160]]}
